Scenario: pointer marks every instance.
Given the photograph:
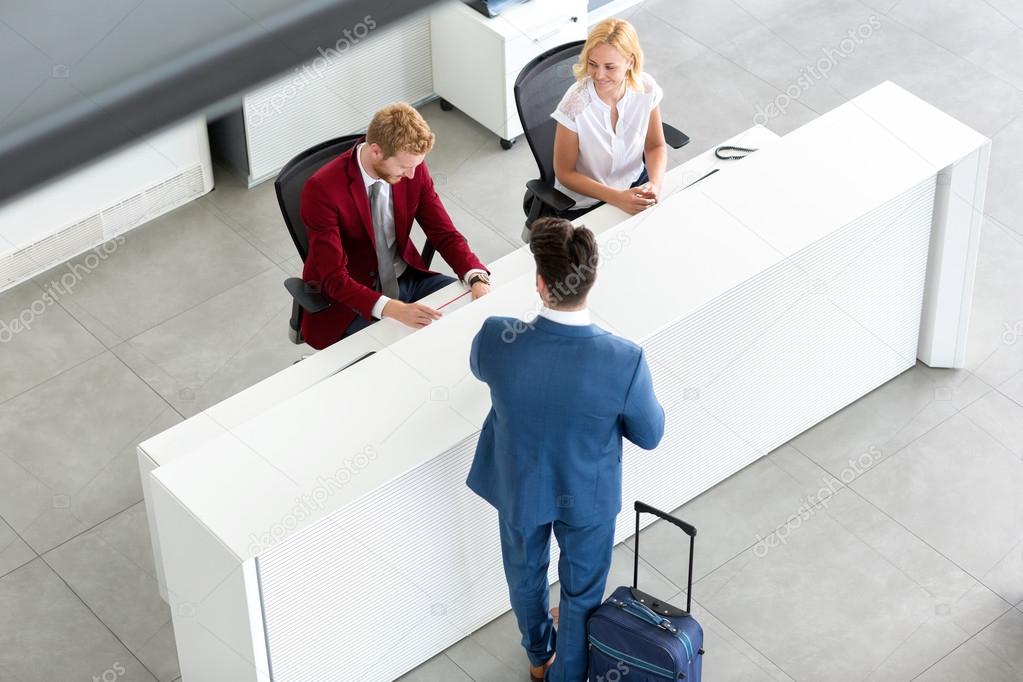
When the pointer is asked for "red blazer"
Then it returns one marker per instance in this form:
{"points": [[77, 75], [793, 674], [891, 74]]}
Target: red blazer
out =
{"points": [[342, 259]]}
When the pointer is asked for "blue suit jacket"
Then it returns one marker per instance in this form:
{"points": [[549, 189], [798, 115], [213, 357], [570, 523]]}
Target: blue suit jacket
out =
{"points": [[563, 398]]}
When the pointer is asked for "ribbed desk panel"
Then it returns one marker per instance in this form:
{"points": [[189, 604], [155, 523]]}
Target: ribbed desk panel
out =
{"points": [[355, 598]]}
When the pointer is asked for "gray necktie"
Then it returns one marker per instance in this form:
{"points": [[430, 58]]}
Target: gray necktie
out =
{"points": [[385, 260]]}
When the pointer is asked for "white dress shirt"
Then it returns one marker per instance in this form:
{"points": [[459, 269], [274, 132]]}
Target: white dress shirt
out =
{"points": [[611, 156], [577, 318], [389, 230]]}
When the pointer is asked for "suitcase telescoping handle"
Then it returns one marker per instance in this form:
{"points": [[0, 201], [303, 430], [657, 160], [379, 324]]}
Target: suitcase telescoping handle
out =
{"points": [[643, 508]]}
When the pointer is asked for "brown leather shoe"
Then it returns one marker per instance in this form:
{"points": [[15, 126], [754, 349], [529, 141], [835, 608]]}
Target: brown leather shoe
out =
{"points": [[537, 672]]}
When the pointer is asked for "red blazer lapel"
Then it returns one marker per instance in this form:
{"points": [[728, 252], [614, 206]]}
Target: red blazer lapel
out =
{"points": [[357, 189]]}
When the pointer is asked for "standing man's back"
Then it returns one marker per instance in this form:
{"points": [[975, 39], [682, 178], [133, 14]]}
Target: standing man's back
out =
{"points": [[564, 394]]}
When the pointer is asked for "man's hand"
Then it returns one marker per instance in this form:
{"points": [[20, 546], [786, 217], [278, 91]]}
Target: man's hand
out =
{"points": [[414, 315], [633, 200], [479, 289]]}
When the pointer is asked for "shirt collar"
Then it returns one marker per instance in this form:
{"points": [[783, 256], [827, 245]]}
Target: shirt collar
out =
{"points": [[576, 318], [366, 177], [601, 103]]}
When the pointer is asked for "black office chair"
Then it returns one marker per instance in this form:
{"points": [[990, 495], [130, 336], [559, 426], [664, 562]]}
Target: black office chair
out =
{"points": [[538, 90], [289, 184]]}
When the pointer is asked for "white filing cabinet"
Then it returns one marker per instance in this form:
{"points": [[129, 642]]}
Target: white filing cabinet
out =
{"points": [[476, 59]]}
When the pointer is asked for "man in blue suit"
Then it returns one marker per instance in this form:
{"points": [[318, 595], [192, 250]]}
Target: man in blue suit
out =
{"points": [[564, 393]]}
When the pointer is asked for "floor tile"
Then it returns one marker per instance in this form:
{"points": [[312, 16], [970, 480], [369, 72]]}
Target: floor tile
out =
{"points": [[665, 47], [47, 634], [13, 550], [994, 350], [728, 656], [878, 425], [1010, 9], [111, 569], [1004, 576], [772, 10], [845, 606], [957, 489], [141, 285], [764, 53], [1003, 201], [960, 605], [710, 23], [822, 25], [1003, 638], [956, 25], [971, 661], [485, 241], [253, 213], [38, 339], [716, 99], [651, 580], [500, 639], [440, 668], [733, 516], [896, 53], [62, 476], [1001, 418], [1012, 388], [479, 664], [219, 347], [458, 137], [486, 184], [1001, 54]]}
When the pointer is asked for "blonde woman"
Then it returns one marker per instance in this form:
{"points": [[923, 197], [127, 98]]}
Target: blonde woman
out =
{"points": [[609, 145]]}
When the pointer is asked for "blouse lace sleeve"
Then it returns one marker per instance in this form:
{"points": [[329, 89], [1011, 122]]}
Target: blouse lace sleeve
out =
{"points": [[571, 106]]}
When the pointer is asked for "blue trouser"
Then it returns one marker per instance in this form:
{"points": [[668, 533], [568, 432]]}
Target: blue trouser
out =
{"points": [[582, 569], [412, 286]]}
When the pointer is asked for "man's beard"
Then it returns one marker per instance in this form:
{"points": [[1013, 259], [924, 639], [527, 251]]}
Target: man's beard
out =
{"points": [[383, 175]]}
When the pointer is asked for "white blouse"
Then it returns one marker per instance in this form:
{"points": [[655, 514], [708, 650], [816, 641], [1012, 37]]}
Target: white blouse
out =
{"points": [[611, 157]]}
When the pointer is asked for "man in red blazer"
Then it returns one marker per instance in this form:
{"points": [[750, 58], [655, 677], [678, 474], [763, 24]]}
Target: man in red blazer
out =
{"points": [[359, 209]]}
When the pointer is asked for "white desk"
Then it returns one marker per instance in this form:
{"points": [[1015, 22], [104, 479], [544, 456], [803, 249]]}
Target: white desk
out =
{"points": [[319, 528]]}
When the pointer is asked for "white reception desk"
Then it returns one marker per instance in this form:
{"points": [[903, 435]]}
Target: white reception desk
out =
{"points": [[317, 527]]}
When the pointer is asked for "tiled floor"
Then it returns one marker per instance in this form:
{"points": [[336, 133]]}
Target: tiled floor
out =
{"points": [[913, 569]]}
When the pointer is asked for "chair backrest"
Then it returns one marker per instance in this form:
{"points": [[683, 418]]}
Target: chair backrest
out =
{"points": [[293, 177], [538, 91]]}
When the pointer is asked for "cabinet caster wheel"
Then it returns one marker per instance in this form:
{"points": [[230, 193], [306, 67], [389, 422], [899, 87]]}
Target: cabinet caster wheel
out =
{"points": [[507, 144], [446, 105]]}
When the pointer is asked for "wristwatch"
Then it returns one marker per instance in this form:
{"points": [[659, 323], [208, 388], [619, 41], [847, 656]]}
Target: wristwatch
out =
{"points": [[478, 277]]}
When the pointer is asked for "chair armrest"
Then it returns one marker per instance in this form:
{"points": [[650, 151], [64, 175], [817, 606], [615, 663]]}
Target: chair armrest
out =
{"points": [[312, 301], [674, 137], [428, 251], [550, 196]]}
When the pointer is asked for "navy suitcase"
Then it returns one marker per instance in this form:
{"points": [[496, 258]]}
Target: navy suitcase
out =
{"points": [[634, 637]]}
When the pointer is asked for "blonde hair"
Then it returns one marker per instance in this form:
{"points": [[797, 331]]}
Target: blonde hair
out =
{"points": [[398, 128], [620, 35]]}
